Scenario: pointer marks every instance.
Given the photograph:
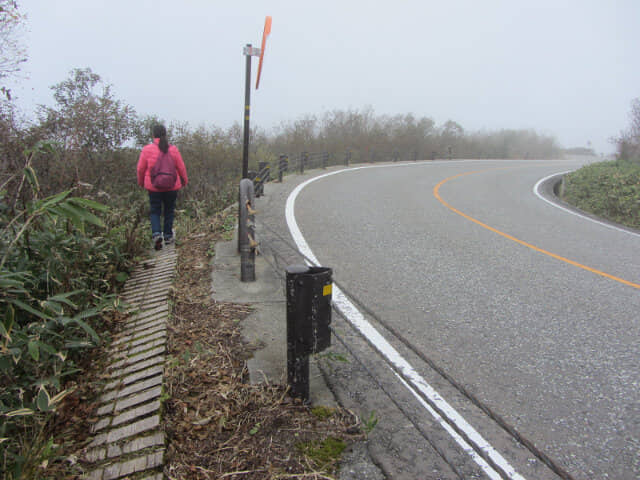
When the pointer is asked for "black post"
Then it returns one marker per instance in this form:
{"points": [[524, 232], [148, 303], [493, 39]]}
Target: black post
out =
{"points": [[282, 166], [246, 232], [265, 171], [247, 111], [263, 176], [308, 320], [297, 364]]}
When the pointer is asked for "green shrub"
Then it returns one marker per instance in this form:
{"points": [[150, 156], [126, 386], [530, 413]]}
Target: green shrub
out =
{"points": [[59, 264], [607, 189]]}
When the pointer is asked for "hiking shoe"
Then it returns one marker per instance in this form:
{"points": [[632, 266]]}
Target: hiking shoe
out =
{"points": [[169, 240], [157, 242]]}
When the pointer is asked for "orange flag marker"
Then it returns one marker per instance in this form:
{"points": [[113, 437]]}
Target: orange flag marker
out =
{"points": [[265, 34]]}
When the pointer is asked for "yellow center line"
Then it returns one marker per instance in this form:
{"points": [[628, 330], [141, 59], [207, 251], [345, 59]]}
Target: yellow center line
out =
{"points": [[436, 193]]}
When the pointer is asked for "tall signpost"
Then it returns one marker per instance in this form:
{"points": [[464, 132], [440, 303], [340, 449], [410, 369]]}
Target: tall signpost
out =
{"points": [[249, 52], [246, 233]]}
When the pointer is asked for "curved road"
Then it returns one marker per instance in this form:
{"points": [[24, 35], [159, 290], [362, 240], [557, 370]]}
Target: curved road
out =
{"points": [[533, 310]]}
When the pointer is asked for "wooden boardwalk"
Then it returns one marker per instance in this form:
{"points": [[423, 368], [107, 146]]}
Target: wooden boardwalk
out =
{"points": [[127, 437]]}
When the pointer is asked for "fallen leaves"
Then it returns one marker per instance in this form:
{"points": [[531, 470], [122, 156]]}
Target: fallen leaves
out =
{"points": [[217, 425]]}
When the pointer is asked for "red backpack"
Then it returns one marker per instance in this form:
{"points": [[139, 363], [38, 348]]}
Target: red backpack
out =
{"points": [[164, 173]]}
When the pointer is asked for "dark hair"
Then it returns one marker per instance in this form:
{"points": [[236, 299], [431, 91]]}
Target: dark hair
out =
{"points": [[160, 132]]}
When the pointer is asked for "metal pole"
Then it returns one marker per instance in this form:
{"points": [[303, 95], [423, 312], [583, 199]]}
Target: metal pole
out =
{"points": [[246, 232], [242, 210], [247, 111]]}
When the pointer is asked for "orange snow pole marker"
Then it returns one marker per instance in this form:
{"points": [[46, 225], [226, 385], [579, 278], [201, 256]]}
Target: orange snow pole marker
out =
{"points": [[265, 34]]}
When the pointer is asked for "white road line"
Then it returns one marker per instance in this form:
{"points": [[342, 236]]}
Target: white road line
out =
{"points": [[459, 440], [400, 365], [536, 190]]}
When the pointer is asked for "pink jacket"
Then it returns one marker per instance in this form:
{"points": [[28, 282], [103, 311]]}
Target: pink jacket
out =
{"points": [[148, 157]]}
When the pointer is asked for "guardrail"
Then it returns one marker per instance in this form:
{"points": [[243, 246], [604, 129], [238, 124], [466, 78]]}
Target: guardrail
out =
{"points": [[298, 163]]}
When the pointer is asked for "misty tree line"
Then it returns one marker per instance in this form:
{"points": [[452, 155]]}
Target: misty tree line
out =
{"points": [[628, 142], [382, 137]]}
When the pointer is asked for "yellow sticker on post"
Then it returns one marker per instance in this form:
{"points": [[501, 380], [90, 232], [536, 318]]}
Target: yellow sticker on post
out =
{"points": [[327, 290]]}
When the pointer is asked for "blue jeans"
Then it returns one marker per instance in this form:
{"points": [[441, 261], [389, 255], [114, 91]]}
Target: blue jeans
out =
{"points": [[157, 200]]}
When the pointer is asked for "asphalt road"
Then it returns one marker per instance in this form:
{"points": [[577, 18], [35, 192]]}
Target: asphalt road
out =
{"points": [[536, 312]]}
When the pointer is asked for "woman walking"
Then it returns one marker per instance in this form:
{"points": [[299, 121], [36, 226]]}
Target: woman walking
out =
{"points": [[162, 173]]}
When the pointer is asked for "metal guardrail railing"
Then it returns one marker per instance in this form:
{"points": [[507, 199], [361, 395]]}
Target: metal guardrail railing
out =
{"points": [[298, 163]]}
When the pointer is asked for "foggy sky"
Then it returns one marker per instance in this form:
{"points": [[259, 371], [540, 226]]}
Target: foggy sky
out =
{"points": [[566, 68]]}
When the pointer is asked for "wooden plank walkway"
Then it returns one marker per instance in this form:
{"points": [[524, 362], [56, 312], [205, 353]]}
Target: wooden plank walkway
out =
{"points": [[127, 437]]}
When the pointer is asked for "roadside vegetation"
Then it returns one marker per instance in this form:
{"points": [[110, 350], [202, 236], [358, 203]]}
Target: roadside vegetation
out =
{"points": [[611, 189]]}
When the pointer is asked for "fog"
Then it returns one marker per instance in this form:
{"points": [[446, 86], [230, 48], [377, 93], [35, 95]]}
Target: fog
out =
{"points": [[565, 68]]}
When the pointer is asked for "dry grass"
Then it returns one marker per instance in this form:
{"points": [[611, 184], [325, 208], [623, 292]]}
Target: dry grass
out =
{"points": [[217, 425]]}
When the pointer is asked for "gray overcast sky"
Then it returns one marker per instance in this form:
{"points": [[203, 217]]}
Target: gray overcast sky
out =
{"points": [[564, 67]]}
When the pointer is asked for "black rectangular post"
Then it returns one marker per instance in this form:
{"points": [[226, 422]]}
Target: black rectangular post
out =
{"points": [[297, 363], [308, 320], [265, 171], [282, 166]]}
